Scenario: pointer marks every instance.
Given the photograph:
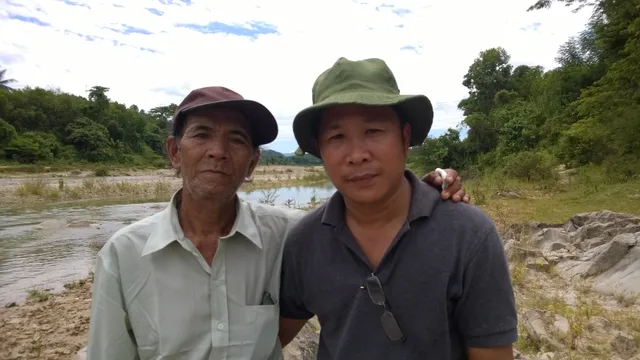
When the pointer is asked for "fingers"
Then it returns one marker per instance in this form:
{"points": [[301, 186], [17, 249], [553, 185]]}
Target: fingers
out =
{"points": [[433, 178]]}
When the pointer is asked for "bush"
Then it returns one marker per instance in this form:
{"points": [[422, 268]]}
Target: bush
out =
{"points": [[529, 165], [101, 172]]}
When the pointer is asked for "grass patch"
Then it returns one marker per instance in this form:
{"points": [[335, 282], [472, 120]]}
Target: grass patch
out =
{"points": [[584, 191], [34, 187], [101, 172], [38, 295], [76, 284], [40, 190]]}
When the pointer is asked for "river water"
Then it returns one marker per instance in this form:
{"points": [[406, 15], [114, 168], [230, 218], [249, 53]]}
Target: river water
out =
{"points": [[45, 249]]}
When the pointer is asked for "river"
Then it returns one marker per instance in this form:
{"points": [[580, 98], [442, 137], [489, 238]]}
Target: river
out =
{"points": [[44, 249]]}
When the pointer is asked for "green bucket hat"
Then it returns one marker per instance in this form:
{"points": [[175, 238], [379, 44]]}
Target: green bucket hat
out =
{"points": [[367, 82]]}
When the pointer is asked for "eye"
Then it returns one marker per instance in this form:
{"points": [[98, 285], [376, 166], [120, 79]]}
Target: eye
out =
{"points": [[200, 135], [238, 140], [373, 131], [336, 136]]}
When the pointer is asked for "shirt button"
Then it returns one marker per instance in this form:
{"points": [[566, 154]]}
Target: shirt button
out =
{"points": [[220, 326]]}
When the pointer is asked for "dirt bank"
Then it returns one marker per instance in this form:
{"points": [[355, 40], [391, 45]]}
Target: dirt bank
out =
{"points": [[47, 326]]}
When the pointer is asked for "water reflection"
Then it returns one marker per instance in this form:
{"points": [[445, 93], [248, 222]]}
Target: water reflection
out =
{"points": [[48, 248]]}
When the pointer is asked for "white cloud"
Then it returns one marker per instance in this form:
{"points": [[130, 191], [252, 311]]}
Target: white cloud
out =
{"points": [[277, 69]]}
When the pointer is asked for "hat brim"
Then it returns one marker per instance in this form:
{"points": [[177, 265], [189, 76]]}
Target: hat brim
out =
{"points": [[264, 127], [415, 109]]}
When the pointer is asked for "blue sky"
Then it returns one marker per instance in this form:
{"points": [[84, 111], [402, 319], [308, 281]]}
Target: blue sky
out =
{"points": [[152, 52]]}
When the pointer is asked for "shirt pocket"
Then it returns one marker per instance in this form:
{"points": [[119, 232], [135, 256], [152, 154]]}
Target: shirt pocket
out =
{"points": [[256, 331]]}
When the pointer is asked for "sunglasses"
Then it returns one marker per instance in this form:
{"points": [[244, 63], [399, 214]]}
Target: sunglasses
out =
{"points": [[389, 323]]}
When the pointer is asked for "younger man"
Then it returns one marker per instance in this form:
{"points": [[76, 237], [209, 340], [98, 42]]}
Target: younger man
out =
{"points": [[391, 270]]}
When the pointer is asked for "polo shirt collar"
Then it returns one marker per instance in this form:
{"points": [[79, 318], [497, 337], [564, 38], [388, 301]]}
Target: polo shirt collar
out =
{"points": [[424, 199], [168, 229]]}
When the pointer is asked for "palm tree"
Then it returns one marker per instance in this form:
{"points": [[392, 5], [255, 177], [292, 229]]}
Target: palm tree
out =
{"points": [[4, 83]]}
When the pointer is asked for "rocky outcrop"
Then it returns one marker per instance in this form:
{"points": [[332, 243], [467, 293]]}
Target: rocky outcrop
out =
{"points": [[601, 246]]}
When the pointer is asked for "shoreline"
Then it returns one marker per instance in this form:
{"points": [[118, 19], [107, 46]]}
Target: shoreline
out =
{"points": [[45, 189]]}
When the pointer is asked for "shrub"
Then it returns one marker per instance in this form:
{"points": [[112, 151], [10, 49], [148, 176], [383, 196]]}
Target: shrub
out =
{"points": [[529, 165]]}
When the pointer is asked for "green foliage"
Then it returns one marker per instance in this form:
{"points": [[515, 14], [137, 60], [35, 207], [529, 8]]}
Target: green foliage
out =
{"points": [[38, 125], [7, 133], [529, 165], [524, 120]]}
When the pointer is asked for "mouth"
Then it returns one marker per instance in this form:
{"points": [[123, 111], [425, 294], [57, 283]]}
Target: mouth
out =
{"points": [[361, 178], [210, 171]]}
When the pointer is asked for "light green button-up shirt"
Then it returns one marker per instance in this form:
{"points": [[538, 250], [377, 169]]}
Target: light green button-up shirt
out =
{"points": [[155, 297]]}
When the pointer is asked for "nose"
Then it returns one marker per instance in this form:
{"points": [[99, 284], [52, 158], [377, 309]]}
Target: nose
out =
{"points": [[358, 152], [217, 150]]}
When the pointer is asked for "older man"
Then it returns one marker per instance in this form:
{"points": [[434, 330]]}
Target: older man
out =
{"points": [[199, 280], [391, 270]]}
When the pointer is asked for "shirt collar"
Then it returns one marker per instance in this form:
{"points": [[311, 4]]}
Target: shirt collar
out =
{"points": [[424, 199], [167, 228]]}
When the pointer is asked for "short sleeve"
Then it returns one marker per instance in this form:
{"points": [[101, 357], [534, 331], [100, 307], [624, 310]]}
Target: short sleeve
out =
{"points": [[486, 312], [291, 285]]}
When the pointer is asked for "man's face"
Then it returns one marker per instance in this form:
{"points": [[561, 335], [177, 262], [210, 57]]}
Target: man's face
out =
{"points": [[363, 150], [215, 153]]}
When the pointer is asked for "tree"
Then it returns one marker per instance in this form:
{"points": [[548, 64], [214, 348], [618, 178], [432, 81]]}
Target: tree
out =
{"points": [[4, 83], [488, 74]]}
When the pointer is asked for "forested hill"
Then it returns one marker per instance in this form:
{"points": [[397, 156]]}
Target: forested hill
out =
{"points": [[524, 120], [38, 125], [48, 125], [272, 157]]}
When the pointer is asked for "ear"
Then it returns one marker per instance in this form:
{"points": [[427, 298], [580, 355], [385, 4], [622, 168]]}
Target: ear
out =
{"points": [[173, 150], [406, 138], [254, 162]]}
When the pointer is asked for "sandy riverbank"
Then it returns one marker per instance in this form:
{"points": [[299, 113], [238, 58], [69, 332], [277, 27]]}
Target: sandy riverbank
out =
{"points": [[21, 189], [47, 326]]}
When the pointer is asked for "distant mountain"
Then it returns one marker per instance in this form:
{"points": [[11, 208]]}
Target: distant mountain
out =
{"points": [[272, 157]]}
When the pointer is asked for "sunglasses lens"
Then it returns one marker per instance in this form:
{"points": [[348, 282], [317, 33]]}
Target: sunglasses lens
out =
{"points": [[391, 326], [375, 290]]}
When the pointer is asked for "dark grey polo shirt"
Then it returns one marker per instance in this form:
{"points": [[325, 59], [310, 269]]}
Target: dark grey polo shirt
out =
{"points": [[445, 277]]}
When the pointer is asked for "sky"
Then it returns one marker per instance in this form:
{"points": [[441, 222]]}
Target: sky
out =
{"points": [[153, 52]]}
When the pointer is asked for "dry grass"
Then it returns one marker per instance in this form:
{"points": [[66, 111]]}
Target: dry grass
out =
{"points": [[39, 190], [38, 295], [154, 187], [552, 202]]}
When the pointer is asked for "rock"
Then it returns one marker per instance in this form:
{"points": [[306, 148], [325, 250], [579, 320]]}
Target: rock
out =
{"points": [[508, 195], [515, 252], [546, 238], [539, 264], [603, 246], [561, 325], [624, 344], [600, 325], [534, 324], [547, 356]]}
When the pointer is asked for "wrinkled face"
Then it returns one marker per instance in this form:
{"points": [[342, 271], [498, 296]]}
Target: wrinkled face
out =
{"points": [[214, 152], [363, 150]]}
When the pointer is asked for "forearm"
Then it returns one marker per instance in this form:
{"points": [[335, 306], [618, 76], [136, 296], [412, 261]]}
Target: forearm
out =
{"points": [[494, 353], [289, 329]]}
